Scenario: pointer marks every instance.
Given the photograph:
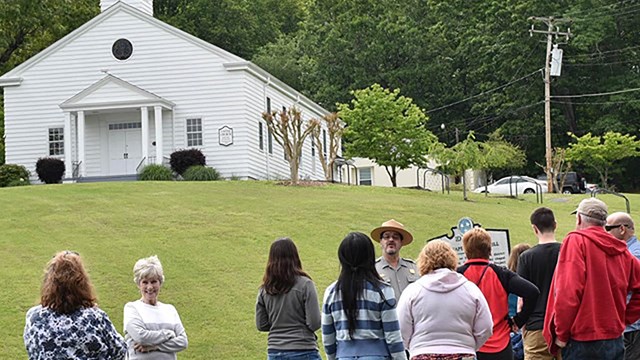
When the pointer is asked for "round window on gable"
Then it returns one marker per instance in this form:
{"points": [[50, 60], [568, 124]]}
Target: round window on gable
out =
{"points": [[122, 49]]}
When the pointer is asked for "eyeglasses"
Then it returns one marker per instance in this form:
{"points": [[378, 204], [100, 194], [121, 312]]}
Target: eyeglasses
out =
{"points": [[611, 227], [67, 252]]}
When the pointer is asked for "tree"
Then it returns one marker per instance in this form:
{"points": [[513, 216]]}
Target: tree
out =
{"points": [[498, 154], [601, 152], [238, 26], [387, 128], [287, 129], [335, 129], [455, 160]]}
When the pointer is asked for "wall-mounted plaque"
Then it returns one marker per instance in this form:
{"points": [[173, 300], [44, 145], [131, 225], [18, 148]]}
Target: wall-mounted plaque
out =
{"points": [[225, 136]]}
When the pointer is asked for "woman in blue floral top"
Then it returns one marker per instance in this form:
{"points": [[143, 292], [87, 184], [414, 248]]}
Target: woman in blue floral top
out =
{"points": [[68, 324]]}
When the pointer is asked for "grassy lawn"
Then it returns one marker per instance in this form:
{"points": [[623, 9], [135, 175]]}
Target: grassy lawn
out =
{"points": [[213, 241]]}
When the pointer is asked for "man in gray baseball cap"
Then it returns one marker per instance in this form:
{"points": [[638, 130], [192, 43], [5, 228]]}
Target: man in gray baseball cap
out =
{"points": [[587, 309]]}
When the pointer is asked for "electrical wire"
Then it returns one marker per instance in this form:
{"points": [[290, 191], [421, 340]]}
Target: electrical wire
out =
{"points": [[595, 94], [595, 103], [483, 93]]}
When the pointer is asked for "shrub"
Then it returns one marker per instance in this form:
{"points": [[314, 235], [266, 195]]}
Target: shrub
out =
{"points": [[201, 173], [155, 172], [50, 170], [181, 160], [12, 174]]}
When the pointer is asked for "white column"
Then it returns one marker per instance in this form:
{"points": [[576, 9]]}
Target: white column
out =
{"points": [[68, 164], [81, 136], [144, 117], [157, 115]]}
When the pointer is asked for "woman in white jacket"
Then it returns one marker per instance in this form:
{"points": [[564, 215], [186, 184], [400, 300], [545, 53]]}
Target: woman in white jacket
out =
{"points": [[443, 315]]}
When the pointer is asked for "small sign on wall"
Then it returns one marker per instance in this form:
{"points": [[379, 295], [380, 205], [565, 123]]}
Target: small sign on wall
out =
{"points": [[225, 136]]}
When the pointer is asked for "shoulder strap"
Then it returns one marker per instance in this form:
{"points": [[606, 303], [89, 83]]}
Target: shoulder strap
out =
{"points": [[482, 275]]}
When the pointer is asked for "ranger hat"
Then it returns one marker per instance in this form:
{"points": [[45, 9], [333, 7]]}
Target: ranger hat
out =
{"points": [[392, 225], [593, 208]]}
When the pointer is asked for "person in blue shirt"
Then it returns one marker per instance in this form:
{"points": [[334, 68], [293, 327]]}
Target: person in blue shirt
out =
{"points": [[359, 319], [621, 226]]}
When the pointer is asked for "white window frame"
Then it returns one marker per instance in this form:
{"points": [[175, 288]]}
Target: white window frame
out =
{"points": [[56, 141], [189, 130], [364, 181]]}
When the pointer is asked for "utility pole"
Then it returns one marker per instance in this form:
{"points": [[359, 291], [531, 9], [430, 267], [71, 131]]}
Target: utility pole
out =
{"points": [[553, 29]]}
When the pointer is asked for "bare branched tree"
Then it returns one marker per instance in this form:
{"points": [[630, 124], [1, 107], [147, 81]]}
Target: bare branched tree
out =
{"points": [[289, 131], [327, 153]]}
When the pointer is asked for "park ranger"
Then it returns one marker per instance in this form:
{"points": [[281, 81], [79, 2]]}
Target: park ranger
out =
{"points": [[394, 270]]}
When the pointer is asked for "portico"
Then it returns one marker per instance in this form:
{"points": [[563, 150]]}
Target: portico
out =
{"points": [[115, 116]]}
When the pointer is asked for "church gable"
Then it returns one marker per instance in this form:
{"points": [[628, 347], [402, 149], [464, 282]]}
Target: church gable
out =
{"points": [[111, 90], [103, 23]]}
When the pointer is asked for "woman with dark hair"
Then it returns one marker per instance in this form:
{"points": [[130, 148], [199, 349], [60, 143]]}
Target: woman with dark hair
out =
{"points": [[68, 324], [359, 319], [287, 306]]}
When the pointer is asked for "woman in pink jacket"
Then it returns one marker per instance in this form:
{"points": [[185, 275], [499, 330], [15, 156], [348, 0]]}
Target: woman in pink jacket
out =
{"points": [[443, 316]]}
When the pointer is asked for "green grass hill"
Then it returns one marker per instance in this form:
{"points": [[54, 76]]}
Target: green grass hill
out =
{"points": [[213, 240]]}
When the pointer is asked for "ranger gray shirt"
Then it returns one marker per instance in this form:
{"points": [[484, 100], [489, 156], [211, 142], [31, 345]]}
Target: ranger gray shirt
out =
{"points": [[292, 318], [399, 278]]}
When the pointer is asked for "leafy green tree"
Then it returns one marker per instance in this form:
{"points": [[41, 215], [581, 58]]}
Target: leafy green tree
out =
{"points": [[601, 152], [455, 160], [499, 154], [387, 128], [238, 26]]}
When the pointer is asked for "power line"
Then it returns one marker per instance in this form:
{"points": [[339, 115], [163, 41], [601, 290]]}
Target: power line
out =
{"points": [[600, 53], [483, 93], [595, 94], [598, 11], [596, 103], [601, 64]]}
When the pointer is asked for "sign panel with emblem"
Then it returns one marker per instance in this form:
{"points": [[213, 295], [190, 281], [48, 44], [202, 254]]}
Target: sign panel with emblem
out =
{"points": [[500, 242], [225, 136]]}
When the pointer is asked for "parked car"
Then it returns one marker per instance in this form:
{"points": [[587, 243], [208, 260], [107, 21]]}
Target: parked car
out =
{"points": [[573, 183], [514, 185]]}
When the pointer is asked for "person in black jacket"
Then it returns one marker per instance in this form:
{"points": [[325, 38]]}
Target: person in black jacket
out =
{"points": [[496, 283]]}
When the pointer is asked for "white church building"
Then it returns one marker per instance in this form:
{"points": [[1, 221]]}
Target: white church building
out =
{"points": [[125, 90]]}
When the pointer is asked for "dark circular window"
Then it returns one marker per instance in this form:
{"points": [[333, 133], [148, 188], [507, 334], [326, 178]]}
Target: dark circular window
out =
{"points": [[122, 49]]}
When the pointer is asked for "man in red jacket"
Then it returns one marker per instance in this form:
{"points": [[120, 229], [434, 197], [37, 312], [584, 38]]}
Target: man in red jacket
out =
{"points": [[587, 309]]}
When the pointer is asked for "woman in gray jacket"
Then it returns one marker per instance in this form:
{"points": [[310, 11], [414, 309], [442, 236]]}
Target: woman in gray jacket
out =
{"points": [[287, 305]]}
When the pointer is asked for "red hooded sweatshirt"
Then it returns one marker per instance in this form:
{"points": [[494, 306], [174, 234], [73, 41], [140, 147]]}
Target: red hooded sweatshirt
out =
{"points": [[588, 295]]}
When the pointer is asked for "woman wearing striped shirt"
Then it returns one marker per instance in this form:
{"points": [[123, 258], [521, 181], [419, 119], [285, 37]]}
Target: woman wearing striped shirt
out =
{"points": [[359, 319]]}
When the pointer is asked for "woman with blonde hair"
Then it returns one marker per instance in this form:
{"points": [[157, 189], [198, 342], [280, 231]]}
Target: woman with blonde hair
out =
{"points": [[68, 323], [287, 305], [443, 316], [153, 330]]}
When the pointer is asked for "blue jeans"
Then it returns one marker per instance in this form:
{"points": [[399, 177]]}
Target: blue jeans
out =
{"points": [[295, 355], [365, 358], [594, 350]]}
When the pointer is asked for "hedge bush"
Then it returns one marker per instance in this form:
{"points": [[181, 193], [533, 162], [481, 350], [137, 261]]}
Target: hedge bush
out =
{"points": [[181, 160], [155, 172], [13, 175], [50, 170], [201, 173]]}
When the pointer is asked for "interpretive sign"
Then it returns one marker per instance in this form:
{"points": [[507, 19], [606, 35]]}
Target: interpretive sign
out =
{"points": [[499, 240]]}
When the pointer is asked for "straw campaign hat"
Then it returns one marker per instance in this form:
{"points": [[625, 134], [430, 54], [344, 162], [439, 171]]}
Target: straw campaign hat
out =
{"points": [[392, 225]]}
